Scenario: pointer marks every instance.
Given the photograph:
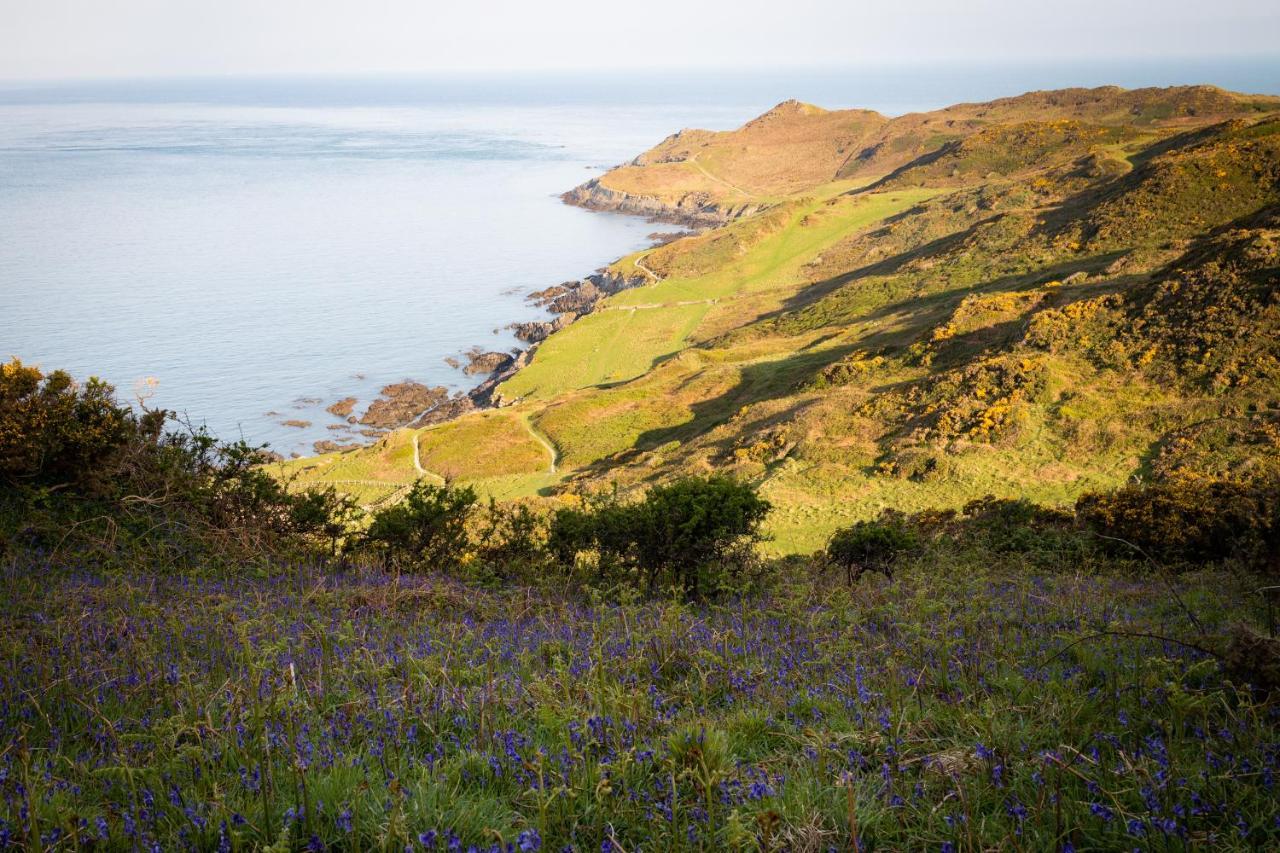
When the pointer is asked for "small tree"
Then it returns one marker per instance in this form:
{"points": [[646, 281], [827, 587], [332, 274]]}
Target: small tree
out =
{"points": [[429, 526], [870, 546]]}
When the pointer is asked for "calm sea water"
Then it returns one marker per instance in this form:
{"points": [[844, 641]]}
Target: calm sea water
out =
{"points": [[262, 248]]}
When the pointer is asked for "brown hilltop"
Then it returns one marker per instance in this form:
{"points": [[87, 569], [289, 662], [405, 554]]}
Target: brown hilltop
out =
{"points": [[707, 177]]}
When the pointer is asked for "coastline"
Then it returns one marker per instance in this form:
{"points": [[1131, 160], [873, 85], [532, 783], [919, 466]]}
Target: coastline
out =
{"points": [[694, 209], [566, 302]]}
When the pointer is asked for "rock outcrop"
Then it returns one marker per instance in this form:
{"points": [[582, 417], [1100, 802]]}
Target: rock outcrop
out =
{"points": [[481, 363], [695, 209], [343, 407], [400, 403]]}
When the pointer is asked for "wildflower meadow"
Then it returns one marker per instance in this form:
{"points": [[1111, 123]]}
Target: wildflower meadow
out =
{"points": [[965, 710]]}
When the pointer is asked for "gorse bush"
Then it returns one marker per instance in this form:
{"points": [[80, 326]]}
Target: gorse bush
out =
{"points": [[871, 546], [1178, 524], [55, 433], [84, 475], [689, 533], [1019, 526], [512, 540], [694, 534], [1190, 520], [428, 527]]}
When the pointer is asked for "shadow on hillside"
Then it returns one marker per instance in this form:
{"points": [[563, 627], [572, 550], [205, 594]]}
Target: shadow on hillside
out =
{"points": [[757, 382], [918, 310], [926, 159]]}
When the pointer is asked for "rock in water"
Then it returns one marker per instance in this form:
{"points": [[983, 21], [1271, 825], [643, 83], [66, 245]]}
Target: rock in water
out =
{"points": [[343, 407], [401, 403], [486, 363]]}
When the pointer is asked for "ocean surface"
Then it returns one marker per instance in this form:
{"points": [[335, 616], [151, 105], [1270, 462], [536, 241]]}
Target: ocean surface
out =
{"points": [[247, 252]]}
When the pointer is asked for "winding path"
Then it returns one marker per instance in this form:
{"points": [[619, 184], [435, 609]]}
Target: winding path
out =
{"points": [[639, 262], [542, 439], [417, 462]]}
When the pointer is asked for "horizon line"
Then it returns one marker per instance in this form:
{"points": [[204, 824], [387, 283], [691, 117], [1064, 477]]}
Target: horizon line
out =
{"points": [[896, 65]]}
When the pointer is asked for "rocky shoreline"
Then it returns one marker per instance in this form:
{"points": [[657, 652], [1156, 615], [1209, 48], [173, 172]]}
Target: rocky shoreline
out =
{"points": [[696, 210], [415, 405]]}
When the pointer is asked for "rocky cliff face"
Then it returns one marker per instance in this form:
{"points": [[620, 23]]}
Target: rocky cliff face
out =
{"points": [[696, 210]]}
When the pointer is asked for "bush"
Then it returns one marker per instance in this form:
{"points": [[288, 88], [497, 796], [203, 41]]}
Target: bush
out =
{"points": [[324, 514], [1190, 520], [84, 475], [690, 532], [871, 546], [1018, 526], [690, 525], [512, 540], [55, 433], [428, 528]]}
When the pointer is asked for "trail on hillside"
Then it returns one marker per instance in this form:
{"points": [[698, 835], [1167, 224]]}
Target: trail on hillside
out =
{"points": [[644, 269], [417, 463], [703, 169], [542, 439], [650, 305]]}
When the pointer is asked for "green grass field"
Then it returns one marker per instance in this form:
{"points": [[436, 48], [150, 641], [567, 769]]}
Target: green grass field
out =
{"points": [[636, 328]]}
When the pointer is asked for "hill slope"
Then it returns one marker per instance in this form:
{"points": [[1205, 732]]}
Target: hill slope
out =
{"points": [[1072, 289], [703, 177]]}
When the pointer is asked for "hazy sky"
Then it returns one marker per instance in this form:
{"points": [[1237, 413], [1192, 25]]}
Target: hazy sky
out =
{"points": [[90, 38]]}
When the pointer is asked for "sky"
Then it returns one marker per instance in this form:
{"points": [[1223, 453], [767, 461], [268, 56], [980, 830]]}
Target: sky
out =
{"points": [[79, 39]]}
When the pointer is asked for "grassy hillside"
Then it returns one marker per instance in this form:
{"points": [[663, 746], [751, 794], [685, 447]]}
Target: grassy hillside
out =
{"points": [[1033, 297]]}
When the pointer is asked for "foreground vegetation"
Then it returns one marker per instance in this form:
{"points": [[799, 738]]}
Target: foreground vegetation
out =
{"points": [[195, 657], [964, 706]]}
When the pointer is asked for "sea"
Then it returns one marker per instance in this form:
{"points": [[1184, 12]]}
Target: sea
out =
{"points": [[246, 251]]}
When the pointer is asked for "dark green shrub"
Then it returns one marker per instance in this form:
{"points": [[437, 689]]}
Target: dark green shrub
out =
{"points": [[572, 531], [56, 433], [81, 474], [1017, 526], [324, 514], [511, 540], [871, 546], [1189, 520], [427, 529], [690, 527], [690, 532]]}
